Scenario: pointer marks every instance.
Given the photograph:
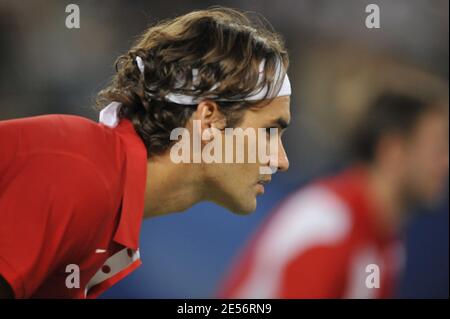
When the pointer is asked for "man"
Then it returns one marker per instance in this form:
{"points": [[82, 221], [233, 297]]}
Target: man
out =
{"points": [[73, 192], [337, 238]]}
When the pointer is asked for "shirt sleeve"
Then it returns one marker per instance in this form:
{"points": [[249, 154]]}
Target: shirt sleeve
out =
{"points": [[47, 202]]}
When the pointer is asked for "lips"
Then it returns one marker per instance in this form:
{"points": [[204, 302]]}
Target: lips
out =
{"points": [[263, 182], [260, 186]]}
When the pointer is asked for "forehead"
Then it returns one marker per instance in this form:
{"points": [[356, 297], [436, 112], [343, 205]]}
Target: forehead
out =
{"points": [[278, 108]]}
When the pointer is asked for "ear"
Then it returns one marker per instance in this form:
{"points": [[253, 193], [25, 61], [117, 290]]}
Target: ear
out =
{"points": [[209, 114]]}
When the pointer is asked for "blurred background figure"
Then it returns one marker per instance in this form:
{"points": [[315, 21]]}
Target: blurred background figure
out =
{"points": [[337, 67], [338, 238]]}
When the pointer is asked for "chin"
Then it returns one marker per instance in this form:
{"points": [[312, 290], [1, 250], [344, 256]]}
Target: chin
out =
{"points": [[244, 208], [239, 203]]}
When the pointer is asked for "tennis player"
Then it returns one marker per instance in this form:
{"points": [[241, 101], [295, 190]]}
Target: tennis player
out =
{"points": [[73, 192]]}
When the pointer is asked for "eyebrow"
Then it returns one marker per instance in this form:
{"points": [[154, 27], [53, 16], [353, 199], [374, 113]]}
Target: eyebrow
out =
{"points": [[281, 123]]}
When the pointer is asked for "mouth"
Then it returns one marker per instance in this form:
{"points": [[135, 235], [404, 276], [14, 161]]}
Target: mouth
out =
{"points": [[263, 182], [260, 185]]}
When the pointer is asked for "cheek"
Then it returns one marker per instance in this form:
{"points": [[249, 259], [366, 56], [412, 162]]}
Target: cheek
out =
{"points": [[431, 151], [427, 169], [418, 163], [238, 175], [432, 159], [246, 151]]}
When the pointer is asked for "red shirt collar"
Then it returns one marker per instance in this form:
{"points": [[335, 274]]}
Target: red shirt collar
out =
{"points": [[132, 212]]}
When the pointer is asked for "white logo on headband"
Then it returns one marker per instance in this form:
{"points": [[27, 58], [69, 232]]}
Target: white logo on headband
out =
{"points": [[108, 115]]}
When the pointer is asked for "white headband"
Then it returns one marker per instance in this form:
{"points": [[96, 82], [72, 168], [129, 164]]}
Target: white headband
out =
{"points": [[108, 115]]}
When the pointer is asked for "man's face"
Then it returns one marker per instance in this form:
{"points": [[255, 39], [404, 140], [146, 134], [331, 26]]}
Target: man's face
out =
{"points": [[426, 158], [236, 185]]}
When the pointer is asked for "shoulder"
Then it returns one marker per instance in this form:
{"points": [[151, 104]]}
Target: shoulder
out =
{"points": [[45, 122], [61, 140], [50, 129], [61, 161]]}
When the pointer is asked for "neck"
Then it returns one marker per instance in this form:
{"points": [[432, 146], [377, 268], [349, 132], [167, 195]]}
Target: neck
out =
{"points": [[170, 187], [385, 191]]}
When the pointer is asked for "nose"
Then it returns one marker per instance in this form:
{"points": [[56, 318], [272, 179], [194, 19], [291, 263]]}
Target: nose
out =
{"points": [[283, 161]]}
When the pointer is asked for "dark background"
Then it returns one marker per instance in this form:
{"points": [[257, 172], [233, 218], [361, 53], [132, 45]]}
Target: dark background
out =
{"points": [[336, 62]]}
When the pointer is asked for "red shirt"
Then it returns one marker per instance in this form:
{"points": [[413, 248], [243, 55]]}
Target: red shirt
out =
{"points": [[322, 242], [71, 193]]}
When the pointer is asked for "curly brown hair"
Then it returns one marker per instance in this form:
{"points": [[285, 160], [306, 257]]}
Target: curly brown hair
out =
{"points": [[225, 46]]}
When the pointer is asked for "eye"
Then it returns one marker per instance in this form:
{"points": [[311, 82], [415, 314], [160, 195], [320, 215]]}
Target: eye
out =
{"points": [[269, 128]]}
